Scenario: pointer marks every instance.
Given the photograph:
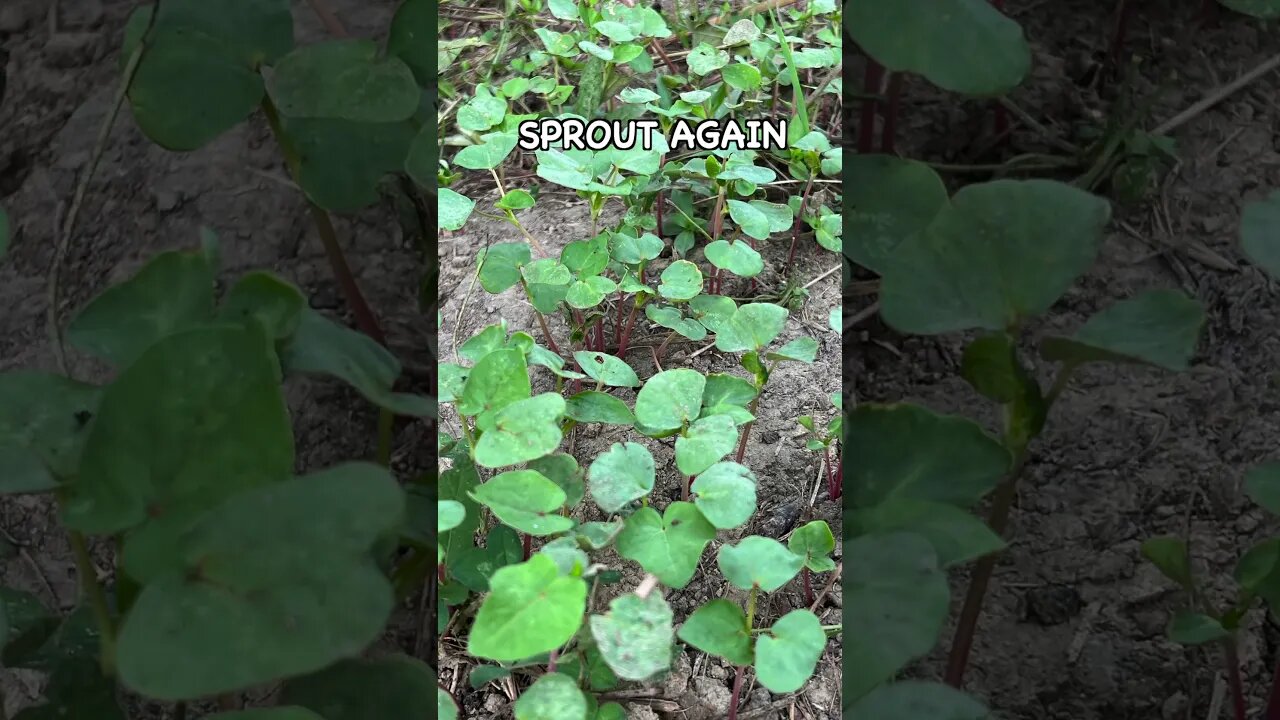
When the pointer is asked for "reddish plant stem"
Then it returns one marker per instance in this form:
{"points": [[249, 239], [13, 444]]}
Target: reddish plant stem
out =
{"points": [[684, 488], [600, 334], [746, 431], [737, 691], [962, 643], [551, 661], [1124, 12], [1273, 698], [871, 80], [795, 226], [808, 589], [1232, 659], [546, 332], [657, 205], [626, 332], [617, 323], [889, 132], [528, 545]]}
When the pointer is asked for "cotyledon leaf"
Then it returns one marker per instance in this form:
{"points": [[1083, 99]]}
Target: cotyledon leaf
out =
{"points": [[526, 500], [719, 628], [522, 431], [343, 79], [725, 493], [1159, 327], [552, 697], [914, 700], [44, 421], [758, 561], [635, 636], [620, 475], [670, 399], [341, 161], [277, 581], [667, 545], [393, 686], [891, 199], [789, 651], [531, 608], [411, 39], [1260, 229]]}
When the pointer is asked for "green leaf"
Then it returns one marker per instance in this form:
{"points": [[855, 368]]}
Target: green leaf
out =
{"points": [[591, 406], [813, 541], [672, 319], [456, 484], [802, 349], [552, 697], [705, 442], [343, 161], [719, 628], [500, 265], [445, 707], [779, 215], [213, 392], [622, 474], [482, 111], [1258, 572], [394, 686], [635, 250], [897, 599], [452, 208], [25, 628], [908, 452], [725, 493], [199, 76], [568, 556], [598, 535], [490, 154], [1169, 554], [284, 568], [562, 469], [670, 399], [1159, 327], [680, 281], [955, 534], [740, 33], [516, 200], [473, 566], [1001, 253], [564, 9], [1192, 628], [1260, 227], [321, 346], [1261, 484], [589, 292], [499, 378], [266, 299], [669, 545], [738, 257], [561, 169], [990, 365], [420, 165], [752, 221], [758, 561], [890, 199], [531, 608], [724, 391], [916, 699], [44, 421], [1264, 9], [615, 31], [76, 689], [787, 654], [610, 370], [172, 292], [752, 326], [602, 53], [965, 46], [344, 79], [525, 500], [490, 338], [741, 76], [704, 59], [449, 514], [411, 37], [635, 636], [524, 430]]}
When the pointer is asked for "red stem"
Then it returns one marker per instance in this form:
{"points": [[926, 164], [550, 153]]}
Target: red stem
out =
{"points": [[1121, 33], [626, 333], [737, 690], [1232, 658], [551, 661], [833, 487], [808, 589], [871, 79], [795, 226], [617, 324], [528, 545], [546, 333], [684, 488], [890, 130]]}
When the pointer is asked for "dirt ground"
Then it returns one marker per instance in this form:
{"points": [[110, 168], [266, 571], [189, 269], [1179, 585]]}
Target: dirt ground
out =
{"points": [[1074, 625], [61, 83]]}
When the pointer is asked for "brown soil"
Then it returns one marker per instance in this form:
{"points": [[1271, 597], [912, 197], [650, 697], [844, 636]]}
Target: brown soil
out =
{"points": [[1074, 624], [143, 200]]}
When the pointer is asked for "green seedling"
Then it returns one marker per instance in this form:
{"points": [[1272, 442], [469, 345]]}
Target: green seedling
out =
{"points": [[186, 460], [919, 472], [821, 440], [1256, 571]]}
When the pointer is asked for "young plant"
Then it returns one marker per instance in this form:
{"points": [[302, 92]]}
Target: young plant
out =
{"points": [[993, 257], [185, 461], [821, 440]]}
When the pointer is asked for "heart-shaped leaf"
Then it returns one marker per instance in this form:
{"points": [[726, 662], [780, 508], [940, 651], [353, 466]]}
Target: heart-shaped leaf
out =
{"points": [[267, 299], [1192, 628], [552, 697], [704, 59], [531, 608], [672, 319], [410, 39], [913, 700], [813, 541], [1002, 252], [562, 469], [1171, 557], [1260, 228], [752, 326], [199, 75], [344, 79], [500, 265], [738, 257], [802, 349], [593, 406], [906, 451], [758, 561], [897, 599], [719, 628], [635, 636], [668, 545], [1159, 327], [725, 493], [449, 515], [343, 161], [787, 654], [752, 221], [965, 46], [452, 208], [285, 568], [387, 687], [955, 534], [681, 281], [706, 441], [670, 399], [522, 431], [446, 709], [44, 421], [621, 475], [525, 500]]}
